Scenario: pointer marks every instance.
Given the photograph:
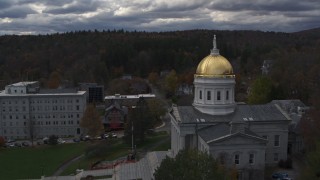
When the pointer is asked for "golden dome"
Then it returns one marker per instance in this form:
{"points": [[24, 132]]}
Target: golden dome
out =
{"points": [[213, 65]]}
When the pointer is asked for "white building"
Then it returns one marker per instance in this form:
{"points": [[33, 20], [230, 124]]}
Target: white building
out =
{"points": [[247, 137], [26, 110]]}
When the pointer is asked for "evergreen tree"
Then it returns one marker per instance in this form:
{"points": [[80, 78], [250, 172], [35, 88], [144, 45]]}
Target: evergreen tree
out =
{"points": [[261, 91]]}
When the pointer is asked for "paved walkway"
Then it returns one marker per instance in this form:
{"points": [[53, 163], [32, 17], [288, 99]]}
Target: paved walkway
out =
{"points": [[66, 164]]}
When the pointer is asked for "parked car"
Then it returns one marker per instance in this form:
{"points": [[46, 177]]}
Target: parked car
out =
{"points": [[9, 145], [280, 176], [76, 140], [17, 144], [11, 141], [85, 137], [25, 144], [105, 136], [45, 140], [61, 141], [97, 138], [114, 135]]}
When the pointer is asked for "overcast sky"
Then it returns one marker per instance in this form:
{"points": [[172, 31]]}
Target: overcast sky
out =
{"points": [[50, 16]]}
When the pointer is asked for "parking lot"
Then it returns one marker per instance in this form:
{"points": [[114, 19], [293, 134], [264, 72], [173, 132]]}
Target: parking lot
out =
{"points": [[37, 142]]}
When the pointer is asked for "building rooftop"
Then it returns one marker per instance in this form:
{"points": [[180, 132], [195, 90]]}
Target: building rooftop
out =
{"points": [[24, 83], [118, 96], [46, 92], [266, 112]]}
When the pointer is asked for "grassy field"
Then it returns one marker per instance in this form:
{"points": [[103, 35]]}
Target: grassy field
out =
{"points": [[33, 162]]}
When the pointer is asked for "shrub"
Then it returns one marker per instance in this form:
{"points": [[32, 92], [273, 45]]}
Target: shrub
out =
{"points": [[288, 163]]}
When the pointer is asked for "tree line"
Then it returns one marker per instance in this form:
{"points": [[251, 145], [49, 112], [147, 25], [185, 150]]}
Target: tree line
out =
{"points": [[95, 56]]}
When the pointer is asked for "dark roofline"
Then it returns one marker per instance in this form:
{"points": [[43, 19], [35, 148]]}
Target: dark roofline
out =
{"points": [[236, 134]]}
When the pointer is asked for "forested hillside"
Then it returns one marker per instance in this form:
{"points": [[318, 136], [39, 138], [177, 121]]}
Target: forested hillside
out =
{"points": [[101, 56]]}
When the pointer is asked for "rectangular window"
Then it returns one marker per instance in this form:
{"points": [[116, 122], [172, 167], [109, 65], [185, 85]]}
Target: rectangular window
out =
{"points": [[200, 94], [236, 159], [276, 140], [218, 95], [227, 95], [275, 156], [208, 95], [251, 158]]}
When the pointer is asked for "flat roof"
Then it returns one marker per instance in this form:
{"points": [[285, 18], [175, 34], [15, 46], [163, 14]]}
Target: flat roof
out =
{"points": [[118, 96], [3, 94], [23, 83]]}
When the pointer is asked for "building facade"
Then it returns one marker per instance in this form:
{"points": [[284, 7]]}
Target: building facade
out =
{"points": [[28, 111], [247, 137]]}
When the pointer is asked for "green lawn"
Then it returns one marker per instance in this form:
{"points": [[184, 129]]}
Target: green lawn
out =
{"points": [[32, 162]]}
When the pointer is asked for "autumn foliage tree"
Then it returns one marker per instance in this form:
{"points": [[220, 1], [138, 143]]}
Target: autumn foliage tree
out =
{"points": [[91, 121], [153, 78], [54, 80]]}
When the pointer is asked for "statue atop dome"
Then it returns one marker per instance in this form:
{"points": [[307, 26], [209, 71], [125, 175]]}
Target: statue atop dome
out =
{"points": [[214, 50]]}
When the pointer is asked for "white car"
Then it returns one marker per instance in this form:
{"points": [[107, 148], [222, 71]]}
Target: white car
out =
{"points": [[61, 141]]}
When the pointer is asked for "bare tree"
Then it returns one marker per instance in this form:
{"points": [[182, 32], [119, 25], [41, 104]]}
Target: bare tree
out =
{"points": [[32, 130]]}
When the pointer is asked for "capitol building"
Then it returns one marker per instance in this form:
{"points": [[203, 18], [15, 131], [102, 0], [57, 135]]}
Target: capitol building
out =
{"points": [[240, 136]]}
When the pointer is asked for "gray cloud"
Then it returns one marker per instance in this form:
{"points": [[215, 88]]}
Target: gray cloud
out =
{"points": [[4, 4], [47, 16], [77, 7], [16, 12]]}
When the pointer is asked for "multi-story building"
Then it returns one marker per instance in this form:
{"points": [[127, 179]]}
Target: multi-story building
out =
{"points": [[28, 111], [245, 137], [95, 92]]}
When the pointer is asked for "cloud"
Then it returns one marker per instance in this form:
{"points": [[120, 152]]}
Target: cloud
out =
{"points": [[47, 16], [16, 12], [76, 7]]}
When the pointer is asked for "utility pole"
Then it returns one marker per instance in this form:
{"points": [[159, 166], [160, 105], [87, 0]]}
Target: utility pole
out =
{"points": [[132, 135], [132, 129]]}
